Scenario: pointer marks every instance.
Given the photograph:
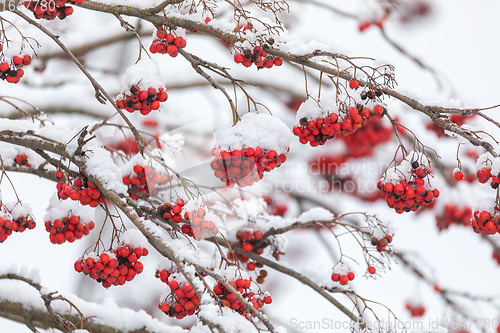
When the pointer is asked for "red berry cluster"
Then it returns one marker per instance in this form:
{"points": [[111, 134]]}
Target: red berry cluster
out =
{"points": [[12, 72], [143, 101], [182, 301], [318, 131], [363, 142], [247, 237], [343, 279], [408, 195], [167, 43], [415, 310], [50, 9], [257, 56], [484, 175], [486, 223], [381, 243], [193, 224], [22, 159], [67, 229], [228, 299], [244, 167], [454, 214], [81, 190], [371, 94], [114, 268], [9, 224], [140, 181], [200, 227]]}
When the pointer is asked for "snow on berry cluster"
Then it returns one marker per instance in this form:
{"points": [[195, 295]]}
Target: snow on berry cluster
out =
{"points": [[257, 56], [50, 9], [242, 285], [144, 90], [80, 190], [164, 42], [113, 268], [407, 187], [488, 170], [416, 310], [316, 124], [256, 144], [486, 217], [67, 221], [15, 217], [453, 214], [193, 223], [342, 274], [182, 300], [11, 71]]}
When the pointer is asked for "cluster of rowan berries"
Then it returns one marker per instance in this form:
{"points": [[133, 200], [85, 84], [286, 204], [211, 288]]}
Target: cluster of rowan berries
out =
{"points": [[22, 160], [113, 268], [12, 72], [200, 227], [182, 301], [167, 43], [257, 56], [453, 214], [8, 224], [407, 195], [50, 9], [362, 142], [484, 175], [193, 224], [228, 299], [247, 237], [381, 243], [143, 101], [343, 279], [415, 310], [244, 167], [81, 190], [318, 131], [143, 181], [370, 94], [67, 229], [485, 222]]}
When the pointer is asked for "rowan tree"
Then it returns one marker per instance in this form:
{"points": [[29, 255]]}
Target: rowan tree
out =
{"points": [[228, 166]]}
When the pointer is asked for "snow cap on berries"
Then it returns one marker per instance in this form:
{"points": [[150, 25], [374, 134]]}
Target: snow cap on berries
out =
{"points": [[311, 109], [255, 130], [145, 73]]}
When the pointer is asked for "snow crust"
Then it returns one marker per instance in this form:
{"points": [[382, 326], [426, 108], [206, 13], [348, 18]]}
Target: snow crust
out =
{"points": [[255, 130], [145, 73]]}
